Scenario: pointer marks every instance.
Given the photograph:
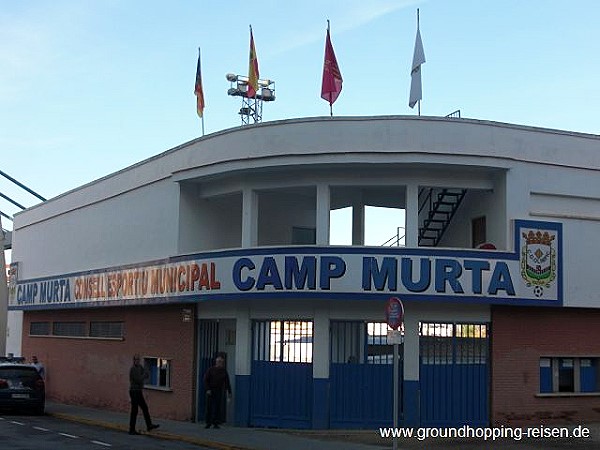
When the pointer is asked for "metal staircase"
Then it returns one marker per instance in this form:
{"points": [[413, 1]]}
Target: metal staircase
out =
{"points": [[439, 205], [6, 235]]}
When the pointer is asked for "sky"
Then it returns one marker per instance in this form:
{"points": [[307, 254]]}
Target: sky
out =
{"points": [[88, 87]]}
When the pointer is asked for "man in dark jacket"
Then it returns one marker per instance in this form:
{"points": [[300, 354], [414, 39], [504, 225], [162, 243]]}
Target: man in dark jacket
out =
{"points": [[137, 376], [216, 383]]}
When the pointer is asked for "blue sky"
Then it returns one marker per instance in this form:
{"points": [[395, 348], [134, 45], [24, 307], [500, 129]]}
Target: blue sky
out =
{"points": [[88, 87]]}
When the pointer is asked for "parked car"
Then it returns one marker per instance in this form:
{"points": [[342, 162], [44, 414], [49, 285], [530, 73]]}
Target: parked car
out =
{"points": [[21, 388]]}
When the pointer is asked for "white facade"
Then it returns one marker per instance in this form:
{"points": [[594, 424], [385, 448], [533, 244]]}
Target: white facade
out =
{"points": [[250, 188]]}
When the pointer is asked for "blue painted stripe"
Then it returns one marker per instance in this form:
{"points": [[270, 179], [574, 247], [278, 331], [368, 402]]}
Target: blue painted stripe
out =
{"points": [[242, 400]]}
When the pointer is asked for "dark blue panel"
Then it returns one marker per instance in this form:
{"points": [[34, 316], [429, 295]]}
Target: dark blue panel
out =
{"points": [[454, 394], [411, 406], [361, 395], [320, 406], [454, 376], [281, 394], [588, 379], [545, 379], [242, 400]]}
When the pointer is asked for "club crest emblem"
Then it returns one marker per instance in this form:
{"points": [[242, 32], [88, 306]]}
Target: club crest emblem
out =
{"points": [[538, 258]]}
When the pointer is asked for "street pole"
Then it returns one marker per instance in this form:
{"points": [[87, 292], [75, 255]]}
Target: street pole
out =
{"points": [[396, 370], [394, 316]]}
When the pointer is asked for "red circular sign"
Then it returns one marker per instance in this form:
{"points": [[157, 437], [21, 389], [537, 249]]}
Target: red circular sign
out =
{"points": [[394, 313]]}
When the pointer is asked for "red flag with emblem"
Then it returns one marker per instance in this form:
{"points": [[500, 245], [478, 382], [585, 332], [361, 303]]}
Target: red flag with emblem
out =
{"points": [[332, 77]]}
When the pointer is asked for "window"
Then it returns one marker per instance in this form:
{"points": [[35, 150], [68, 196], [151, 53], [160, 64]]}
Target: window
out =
{"points": [[39, 329], [304, 236], [283, 341], [453, 343], [569, 374], [378, 349], [478, 231], [358, 342], [106, 329], [76, 329], [160, 372]]}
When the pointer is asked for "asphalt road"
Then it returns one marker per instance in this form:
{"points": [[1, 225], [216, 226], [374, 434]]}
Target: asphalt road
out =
{"points": [[23, 432]]}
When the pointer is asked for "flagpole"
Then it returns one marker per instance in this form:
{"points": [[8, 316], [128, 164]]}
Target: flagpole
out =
{"points": [[419, 105], [330, 104], [332, 78], [200, 59]]}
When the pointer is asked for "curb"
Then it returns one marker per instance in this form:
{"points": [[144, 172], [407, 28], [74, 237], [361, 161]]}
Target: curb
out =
{"points": [[156, 434]]}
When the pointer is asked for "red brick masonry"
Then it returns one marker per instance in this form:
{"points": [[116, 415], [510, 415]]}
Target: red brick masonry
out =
{"points": [[520, 336], [94, 372]]}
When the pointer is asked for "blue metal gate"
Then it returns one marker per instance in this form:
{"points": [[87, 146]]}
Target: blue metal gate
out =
{"points": [[361, 375], [208, 347], [282, 373], [454, 374]]}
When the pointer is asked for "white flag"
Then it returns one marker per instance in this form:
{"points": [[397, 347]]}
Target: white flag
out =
{"points": [[416, 93]]}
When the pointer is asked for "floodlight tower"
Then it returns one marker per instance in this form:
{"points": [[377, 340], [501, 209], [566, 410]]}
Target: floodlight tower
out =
{"points": [[251, 106]]}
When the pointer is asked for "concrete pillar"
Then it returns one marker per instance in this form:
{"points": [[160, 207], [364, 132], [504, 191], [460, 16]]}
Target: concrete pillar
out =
{"points": [[358, 221], [411, 393], [323, 207], [412, 215], [321, 347], [249, 218], [243, 366], [3, 295]]}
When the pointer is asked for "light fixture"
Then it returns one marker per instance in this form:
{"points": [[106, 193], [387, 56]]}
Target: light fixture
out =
{"points": [[251, 106]]}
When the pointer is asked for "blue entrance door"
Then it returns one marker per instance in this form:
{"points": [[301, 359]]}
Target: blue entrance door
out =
{"points": [[208, 346], [454, 374], [281, 383], [361, 375]]}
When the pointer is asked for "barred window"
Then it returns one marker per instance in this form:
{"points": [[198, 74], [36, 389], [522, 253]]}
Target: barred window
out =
{"points": [[570, 374], [159, 371], [77, 329], [106, 329], [283, 340], [378, 349], [39, 329]]}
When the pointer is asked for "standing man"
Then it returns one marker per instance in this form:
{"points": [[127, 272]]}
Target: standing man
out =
{"points": [[38, 366], [137, 376], [216, 382]]}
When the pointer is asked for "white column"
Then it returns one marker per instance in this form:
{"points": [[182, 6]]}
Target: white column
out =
{"points": [[321, 344], [243, 337], [411, 345], [358, 221], [412, 215], [249, 218], [323, 206]]}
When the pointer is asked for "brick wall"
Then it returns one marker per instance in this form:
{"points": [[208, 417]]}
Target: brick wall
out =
{"points": [[520, 336], [95, 372]]}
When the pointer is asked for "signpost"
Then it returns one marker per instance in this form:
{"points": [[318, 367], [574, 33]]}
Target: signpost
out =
{"points": [[394, 316]]}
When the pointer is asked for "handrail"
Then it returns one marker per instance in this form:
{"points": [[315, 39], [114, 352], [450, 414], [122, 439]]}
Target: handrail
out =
{"points": [[22, 186], [454, 114], [395, 240]]}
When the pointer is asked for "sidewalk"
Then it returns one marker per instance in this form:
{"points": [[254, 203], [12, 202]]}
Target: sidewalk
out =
{"points": [[226, 438], [237, 438]]}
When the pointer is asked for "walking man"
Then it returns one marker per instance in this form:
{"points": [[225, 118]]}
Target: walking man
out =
{"points": [[137, 376], [216, 383]]}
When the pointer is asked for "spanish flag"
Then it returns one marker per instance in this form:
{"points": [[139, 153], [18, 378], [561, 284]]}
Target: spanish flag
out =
{"points": [[198, 89], [252, 69]]}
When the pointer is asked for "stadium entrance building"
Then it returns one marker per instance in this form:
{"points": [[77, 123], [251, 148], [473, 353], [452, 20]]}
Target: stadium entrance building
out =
{"points": [[222, 245]]}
